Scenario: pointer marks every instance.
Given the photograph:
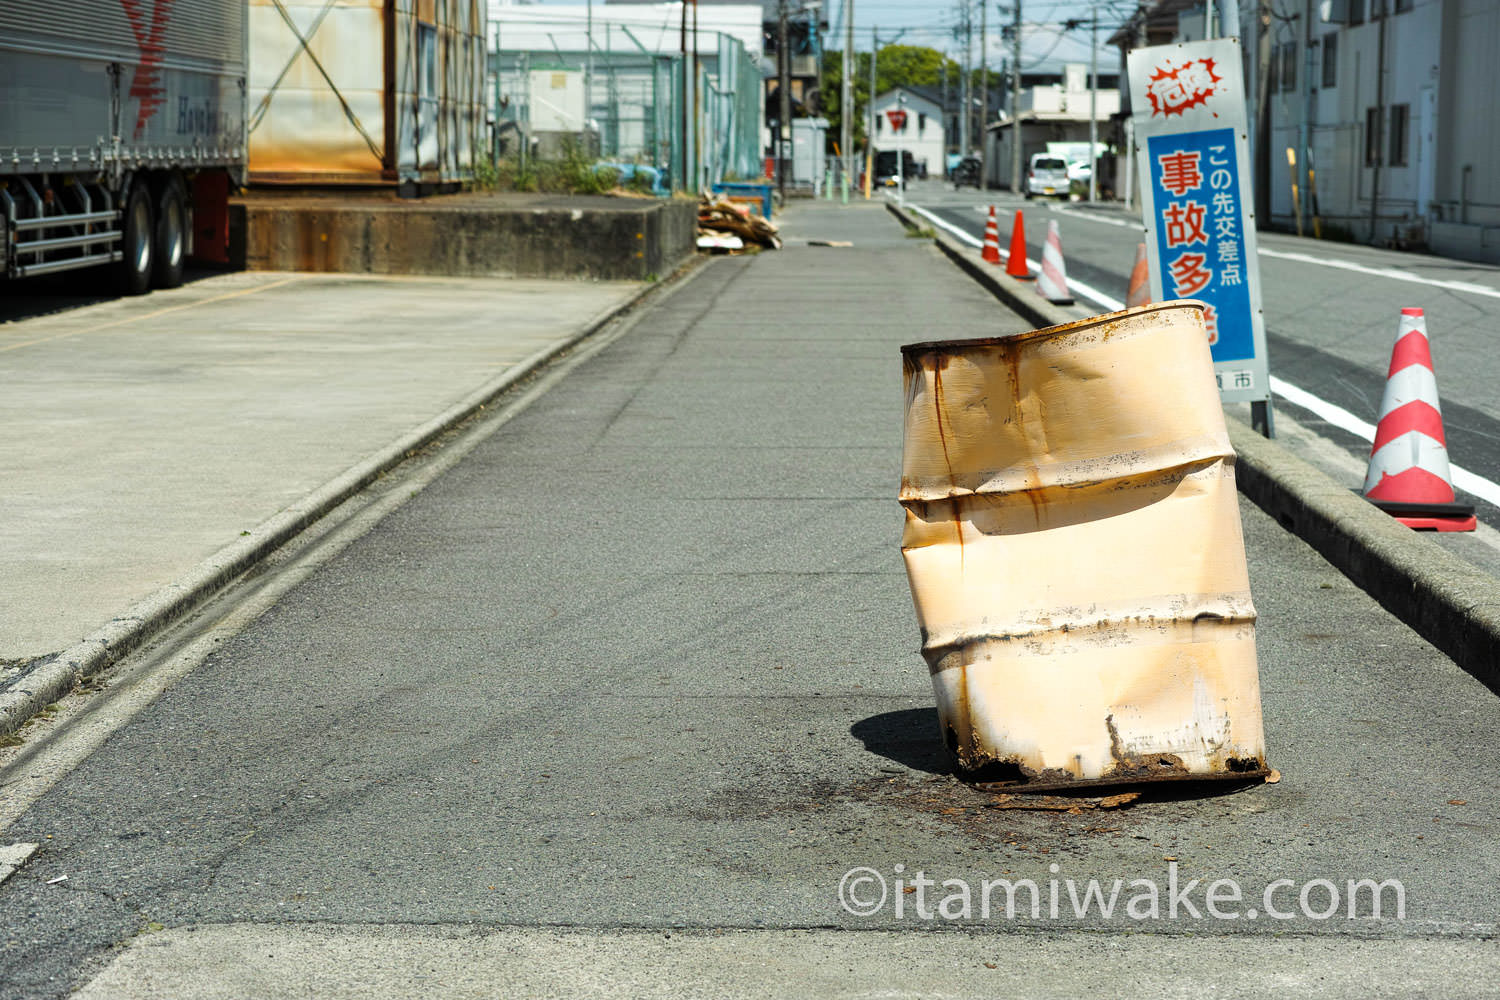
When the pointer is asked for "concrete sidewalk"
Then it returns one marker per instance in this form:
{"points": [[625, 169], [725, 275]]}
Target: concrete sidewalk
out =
{"points": [[148, 434]]}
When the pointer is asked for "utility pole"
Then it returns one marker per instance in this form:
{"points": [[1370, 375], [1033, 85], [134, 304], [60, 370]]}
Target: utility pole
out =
{"points": [[870, 130], [588, 79], [947, 103], [984, 91], [1015, 102], [784, 128], [967, 96], [1263, 117], [1380, 145], [682, 108], [697, 113], [846, 97], [1093, 102], [1304, 137]]}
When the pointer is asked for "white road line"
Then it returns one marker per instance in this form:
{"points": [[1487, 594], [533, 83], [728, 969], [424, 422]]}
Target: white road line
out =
{"points": [[1075, 214], [1465, 480], [1392, 273], [961, 233], [1469, 482], [1384, 272], [1089, 292]]}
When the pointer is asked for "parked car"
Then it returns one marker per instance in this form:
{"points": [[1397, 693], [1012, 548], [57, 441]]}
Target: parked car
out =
{"points": [[885, 166], [966, 173], [1047, 176]]}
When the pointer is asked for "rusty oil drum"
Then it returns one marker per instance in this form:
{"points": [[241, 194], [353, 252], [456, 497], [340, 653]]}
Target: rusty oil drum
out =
{"points": [[1075, 554]]}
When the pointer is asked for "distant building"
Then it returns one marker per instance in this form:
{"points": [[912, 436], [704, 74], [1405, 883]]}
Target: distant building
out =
{"points": [[807, 30], [1049, 116], [910, 119]]}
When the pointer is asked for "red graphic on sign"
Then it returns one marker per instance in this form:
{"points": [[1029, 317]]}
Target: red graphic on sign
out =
{"points": [[1185, 224], [150, 31], [1172, 90], [1179, 172], [1189, 275], [898, 120]]}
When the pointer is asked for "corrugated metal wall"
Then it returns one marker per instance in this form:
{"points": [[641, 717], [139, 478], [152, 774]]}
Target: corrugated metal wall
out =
{"points": [[365, 91], [177, 98], [205, 30]]}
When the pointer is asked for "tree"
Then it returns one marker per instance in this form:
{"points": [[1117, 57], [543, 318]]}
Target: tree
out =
{"points": [[898, 65]]}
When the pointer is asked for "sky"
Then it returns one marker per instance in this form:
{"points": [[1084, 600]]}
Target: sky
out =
{"points": [[1045, 46]]}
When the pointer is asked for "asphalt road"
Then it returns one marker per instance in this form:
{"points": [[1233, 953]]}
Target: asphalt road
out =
{"points": [[1330, 322], [613, 706]]}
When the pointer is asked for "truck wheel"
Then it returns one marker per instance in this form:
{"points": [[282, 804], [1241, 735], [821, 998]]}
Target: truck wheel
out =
{"points": [[134, 272], [169, 244]]}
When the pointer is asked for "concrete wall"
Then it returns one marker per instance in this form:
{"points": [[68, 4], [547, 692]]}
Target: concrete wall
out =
{"points": [[1468, 210], [604, 238]]}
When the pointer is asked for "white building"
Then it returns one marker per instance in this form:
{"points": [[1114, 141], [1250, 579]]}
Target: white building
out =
{"points": [[1053, 118], [909, 121]]}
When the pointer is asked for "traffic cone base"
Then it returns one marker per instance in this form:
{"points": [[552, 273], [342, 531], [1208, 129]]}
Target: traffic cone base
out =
{"points": [[1015, 264], [991, 252], [1409, 476]]}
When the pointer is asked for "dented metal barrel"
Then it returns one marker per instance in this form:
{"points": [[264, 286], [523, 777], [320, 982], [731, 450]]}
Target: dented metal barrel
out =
{"points": [[1075, 554]]}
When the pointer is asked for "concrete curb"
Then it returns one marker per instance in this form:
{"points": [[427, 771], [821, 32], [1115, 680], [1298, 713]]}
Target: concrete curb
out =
{"points": [[1448, 602], [1019, 295], [151, 616]]}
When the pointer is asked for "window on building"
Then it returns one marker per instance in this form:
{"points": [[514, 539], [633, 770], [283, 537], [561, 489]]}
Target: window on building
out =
{"points": [[1273, 71], [1402, 6], [1331, 59], [1289, 66], [1372, 137], [1377, 9], [1400, 125], [1356, 12]]}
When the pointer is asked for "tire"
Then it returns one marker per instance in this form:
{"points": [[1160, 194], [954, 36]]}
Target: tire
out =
{"points": [[169, 237], [133, 273]]}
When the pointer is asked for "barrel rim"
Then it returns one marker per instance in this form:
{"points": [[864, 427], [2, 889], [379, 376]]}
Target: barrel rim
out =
{"points": [[1074, 326]]}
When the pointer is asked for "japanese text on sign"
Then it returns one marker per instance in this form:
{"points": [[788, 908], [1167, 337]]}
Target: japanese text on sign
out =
{"points": [[1199, 237]]}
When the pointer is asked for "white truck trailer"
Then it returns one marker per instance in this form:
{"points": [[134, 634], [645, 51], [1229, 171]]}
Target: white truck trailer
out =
{"points": [[122, 129]]}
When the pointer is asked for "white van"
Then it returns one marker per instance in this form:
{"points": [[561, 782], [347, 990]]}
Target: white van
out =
{"points": [[1048, 175]]}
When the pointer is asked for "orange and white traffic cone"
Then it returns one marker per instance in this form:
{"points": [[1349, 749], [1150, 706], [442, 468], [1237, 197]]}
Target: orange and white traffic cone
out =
{"points": [[1409, 475], [1052, 283], [1015, 264], [1140, 280], [991, 251]]}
